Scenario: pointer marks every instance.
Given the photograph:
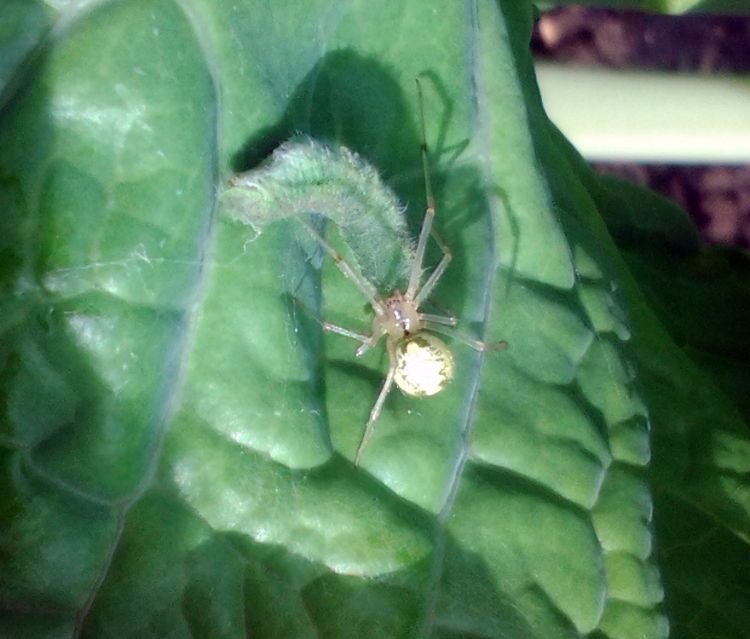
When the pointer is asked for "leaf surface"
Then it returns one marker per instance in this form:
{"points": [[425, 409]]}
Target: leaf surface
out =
{"points": [[178, 434]]}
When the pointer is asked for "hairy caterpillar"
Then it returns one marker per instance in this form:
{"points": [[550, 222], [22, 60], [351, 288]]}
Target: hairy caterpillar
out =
{"points": [[305, 176]]}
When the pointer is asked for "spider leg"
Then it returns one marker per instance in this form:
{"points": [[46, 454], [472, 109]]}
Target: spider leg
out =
{"points": [[437, 273], [427, 230], [366, 341], [368, 344], [416, 270], [378, 406], [340, 330], [415, 274], [445, 320], [359, 281], [476, 344]]}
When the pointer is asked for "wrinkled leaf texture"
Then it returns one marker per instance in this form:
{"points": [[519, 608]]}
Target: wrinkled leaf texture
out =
{"points": [[177, 434]]}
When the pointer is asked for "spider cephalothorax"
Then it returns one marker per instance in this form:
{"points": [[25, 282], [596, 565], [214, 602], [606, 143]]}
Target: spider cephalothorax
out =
{"points": [[400, 317]]}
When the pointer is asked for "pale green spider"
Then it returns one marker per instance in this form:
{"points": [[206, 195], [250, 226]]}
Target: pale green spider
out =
{"points": [[420, 363]]}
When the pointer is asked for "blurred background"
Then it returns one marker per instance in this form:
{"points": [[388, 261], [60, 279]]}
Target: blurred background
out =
{"points": [[704, 58]]}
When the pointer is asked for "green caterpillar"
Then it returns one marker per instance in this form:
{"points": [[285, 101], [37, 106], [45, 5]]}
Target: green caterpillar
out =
{"points": [[304, 176]]}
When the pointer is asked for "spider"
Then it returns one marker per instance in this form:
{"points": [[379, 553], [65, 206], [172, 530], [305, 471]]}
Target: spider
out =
{"points": [[419, 362]]}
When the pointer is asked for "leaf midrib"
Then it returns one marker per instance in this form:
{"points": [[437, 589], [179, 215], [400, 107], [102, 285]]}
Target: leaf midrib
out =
{"points": [[478, 124]]}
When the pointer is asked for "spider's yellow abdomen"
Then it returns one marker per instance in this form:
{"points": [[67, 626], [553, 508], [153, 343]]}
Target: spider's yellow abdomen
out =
{"points": [[424, 365]]}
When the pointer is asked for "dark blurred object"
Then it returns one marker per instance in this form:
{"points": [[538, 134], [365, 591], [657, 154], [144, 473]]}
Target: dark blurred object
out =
{"points": [[647, 41], [717, 197]]}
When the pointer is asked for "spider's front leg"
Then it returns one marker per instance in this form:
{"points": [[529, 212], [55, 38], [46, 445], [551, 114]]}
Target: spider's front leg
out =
{"points": [[367, 341], [340, 330]]}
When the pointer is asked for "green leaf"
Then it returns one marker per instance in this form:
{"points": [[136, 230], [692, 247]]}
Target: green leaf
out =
{"points": [[177, 432], [697, 398]]}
